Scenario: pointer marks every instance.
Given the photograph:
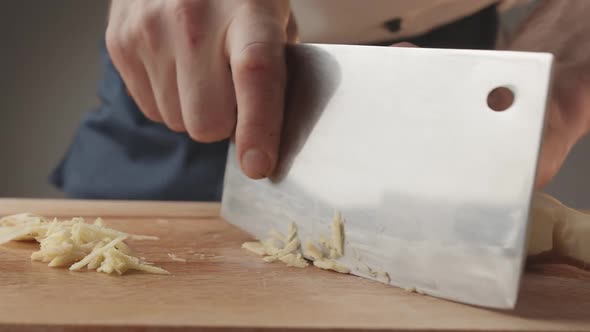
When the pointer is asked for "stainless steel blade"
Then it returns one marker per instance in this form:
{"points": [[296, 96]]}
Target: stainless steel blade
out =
{"points": [[434, 187]]}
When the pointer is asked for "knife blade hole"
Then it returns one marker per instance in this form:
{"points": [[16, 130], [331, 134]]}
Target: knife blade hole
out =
{"points": [[500, 99]]}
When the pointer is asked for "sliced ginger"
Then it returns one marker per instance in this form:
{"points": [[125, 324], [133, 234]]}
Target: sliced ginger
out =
{"points": [[287, 249], [76, 243], [279, 247]]}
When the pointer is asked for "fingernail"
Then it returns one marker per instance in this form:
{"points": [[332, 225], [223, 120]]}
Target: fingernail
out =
{"points": [[256, 163]]}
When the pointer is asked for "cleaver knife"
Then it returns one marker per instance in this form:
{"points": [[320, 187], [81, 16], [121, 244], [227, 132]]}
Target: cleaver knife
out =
{"points": [[433, 186]]}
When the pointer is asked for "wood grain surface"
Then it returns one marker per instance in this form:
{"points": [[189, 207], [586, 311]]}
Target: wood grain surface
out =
{"points": [[105, 208], [223, 288]]}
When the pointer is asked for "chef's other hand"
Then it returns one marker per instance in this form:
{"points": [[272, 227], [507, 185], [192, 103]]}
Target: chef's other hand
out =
{"points": [[562, 28], [211, 68]]}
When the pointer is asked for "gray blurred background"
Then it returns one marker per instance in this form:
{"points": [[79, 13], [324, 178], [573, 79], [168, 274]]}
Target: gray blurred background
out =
{"points": [[49, 65]]}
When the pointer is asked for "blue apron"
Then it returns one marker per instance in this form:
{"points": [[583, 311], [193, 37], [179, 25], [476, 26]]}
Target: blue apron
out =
{"points": [[117, 153]]}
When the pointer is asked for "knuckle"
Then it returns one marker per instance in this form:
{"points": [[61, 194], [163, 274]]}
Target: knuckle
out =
{"points": [[259, 57], [142, 31], [190, 6], [148, 30], [115, 45], [121, 45], [190, 17]]}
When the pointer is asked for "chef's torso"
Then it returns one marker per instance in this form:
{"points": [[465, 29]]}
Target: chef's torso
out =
{"points": [[366, 21]]}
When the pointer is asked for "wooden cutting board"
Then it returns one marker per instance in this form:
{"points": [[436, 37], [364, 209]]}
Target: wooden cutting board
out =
{"points": [[222, 287]]}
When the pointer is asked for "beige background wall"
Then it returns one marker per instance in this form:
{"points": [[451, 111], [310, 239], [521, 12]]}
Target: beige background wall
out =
{"points": [[48, 75]]}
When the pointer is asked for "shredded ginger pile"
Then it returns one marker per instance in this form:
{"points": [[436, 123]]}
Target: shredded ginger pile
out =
{"points": [[76, 243], [288, 250]]}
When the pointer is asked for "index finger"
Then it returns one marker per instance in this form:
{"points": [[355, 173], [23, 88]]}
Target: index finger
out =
{"points": [[257, 57]]}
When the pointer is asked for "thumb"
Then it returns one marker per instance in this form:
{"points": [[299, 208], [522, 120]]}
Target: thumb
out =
{"points": [[557, 143]]}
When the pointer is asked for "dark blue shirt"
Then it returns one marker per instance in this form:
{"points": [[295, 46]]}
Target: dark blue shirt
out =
{"points": [[117, 153]]}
